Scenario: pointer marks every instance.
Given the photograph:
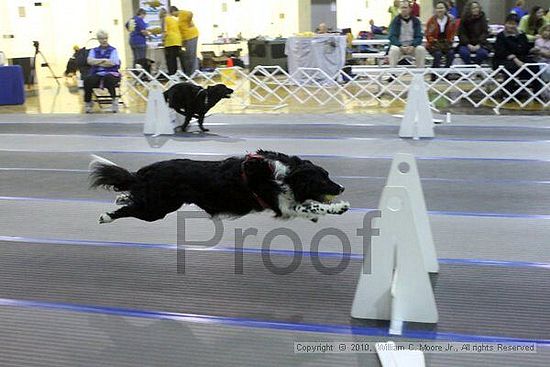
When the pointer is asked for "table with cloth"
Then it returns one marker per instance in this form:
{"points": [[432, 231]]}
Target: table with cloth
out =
{"points": [[326, 52], [12, 87]]}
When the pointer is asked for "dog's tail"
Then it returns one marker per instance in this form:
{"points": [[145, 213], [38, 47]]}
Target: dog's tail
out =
{"points": [[106, 174]]}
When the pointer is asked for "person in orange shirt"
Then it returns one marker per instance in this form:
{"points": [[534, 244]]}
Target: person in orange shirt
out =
{"points": [[440, 34], [189, 36], [172, 41]]}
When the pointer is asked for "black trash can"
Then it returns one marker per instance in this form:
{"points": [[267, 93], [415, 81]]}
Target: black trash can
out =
{"points": [[27, 64], [267, 53]]}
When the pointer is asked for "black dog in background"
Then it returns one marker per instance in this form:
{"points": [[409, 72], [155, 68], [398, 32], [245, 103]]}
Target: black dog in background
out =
{"points": [[289, 186], [192, 100]]}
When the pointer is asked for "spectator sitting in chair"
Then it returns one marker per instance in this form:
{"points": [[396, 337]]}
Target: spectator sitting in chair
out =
{"points": [[406, 37], [394, 9], [518, 9], [440, 34], [377, 29], [512, 51], [322, 29], [472, 34], [453, 10], [105, 64], [542, 51], [530, 24]]}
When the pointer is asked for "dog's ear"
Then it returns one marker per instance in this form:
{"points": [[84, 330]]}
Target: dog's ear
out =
{"points": [[299, 180], [168, 94]]}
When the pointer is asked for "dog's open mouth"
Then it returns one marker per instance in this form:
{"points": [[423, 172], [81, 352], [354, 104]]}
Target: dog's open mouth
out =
{"points": [[327, 199], [228, 94]]}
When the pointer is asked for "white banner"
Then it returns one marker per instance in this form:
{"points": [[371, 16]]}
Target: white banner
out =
{"points": [[152, 8]]}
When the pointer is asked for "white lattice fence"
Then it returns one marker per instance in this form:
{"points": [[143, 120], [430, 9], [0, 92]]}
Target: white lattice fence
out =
{"points": [[273, 86]]}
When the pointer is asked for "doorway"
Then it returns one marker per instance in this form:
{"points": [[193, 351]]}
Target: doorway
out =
{"points": [[323, 11]]}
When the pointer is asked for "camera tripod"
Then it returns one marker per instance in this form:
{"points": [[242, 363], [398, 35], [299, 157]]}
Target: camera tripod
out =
{"points": [[37, 52]]}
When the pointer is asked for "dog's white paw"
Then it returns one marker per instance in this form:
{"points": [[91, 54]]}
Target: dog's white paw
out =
{"points": [[339, 208], [105, 218], [122, 199]]}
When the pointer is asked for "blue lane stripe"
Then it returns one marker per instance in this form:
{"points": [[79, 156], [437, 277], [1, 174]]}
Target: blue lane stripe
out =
{"points": [[57, 241], [312, 156], [434, 179], [359, 210], [264, 324], [248, 250]]}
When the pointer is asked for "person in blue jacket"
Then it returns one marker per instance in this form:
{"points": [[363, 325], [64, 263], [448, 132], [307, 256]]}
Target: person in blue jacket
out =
{"points": [[138, 33], [518, 9], [453, 10], [406, 37]]}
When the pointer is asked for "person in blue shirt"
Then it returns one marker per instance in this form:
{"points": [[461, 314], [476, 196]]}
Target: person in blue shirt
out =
{"points": [[138, 33], [105, 64], [453, 10], [518, 9]]}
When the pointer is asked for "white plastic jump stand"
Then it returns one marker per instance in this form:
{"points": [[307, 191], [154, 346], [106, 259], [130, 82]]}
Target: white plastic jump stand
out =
{"points": [[391, 357], [417, 121], [404, 172], [158, 120], [397, 287]]}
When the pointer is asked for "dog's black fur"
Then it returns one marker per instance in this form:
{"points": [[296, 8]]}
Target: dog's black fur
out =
{"points": [[192, 100], [236, 186]]}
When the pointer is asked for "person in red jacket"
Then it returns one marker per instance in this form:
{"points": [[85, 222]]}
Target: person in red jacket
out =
{"points": [[440, 34], [415, 9]]}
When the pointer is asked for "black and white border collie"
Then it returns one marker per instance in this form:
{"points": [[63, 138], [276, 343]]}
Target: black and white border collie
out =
{"points": [[287, 185]]}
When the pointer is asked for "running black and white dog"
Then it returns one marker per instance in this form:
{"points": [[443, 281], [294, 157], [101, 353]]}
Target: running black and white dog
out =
{"points": [[289, 186], [192, 100]]}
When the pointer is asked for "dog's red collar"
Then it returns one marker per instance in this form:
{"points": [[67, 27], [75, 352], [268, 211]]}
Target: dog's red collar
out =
{"points": [[248, 157]]}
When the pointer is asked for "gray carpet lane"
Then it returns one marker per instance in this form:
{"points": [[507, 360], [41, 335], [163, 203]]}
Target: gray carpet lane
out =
{"points": [[329, 147], [300, 131], [62, 338], [524, 198], [538, 119], [489, 238], [452, 169], [495, 301]]}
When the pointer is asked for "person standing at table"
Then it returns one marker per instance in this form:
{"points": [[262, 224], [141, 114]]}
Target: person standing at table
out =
{"points": [[172, 41], [190, 37], [138, 33]]}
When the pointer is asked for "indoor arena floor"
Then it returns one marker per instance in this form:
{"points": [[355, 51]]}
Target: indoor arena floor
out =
{"points": [[76, 293]]}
